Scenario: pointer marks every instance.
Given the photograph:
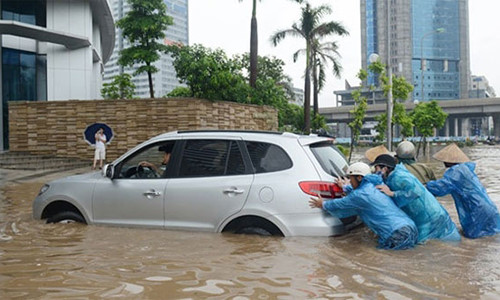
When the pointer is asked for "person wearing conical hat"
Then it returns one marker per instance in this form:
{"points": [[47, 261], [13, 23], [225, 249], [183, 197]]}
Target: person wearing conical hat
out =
{"points": [[409, 194], [405, 153], [478, 215], [373, 152]]}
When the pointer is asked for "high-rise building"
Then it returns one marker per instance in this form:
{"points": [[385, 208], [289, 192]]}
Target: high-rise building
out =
{"points": [[429, 44], [52, 50], [481, 88], [165, 80]]}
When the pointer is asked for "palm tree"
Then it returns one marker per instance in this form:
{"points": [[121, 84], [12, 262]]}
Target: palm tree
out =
{"points": [[311, 30], [322, 54], [254, 46]]}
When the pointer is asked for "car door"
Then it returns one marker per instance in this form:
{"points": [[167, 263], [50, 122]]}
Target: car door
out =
{"points": [[132, 198], [212, 182]]}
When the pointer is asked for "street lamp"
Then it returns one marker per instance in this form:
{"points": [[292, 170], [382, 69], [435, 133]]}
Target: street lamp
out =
{"points": [[422, 65], [372, 59], [389, 74]]}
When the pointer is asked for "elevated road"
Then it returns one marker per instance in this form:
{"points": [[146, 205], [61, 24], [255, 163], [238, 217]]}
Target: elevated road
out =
{"points": [[461, 109], [454, 108]]}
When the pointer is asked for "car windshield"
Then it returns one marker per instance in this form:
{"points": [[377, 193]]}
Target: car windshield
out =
{"points": [[330, 158]]}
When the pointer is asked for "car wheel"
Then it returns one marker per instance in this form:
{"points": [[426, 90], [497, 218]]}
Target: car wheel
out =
{"points": [[254, 230], [66, 217]]}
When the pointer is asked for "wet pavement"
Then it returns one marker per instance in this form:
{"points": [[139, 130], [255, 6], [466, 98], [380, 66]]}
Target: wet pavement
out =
{"points": [[74, 261]]}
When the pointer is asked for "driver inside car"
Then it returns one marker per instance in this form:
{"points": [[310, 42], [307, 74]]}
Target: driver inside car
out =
{"points": [[167, 149]]}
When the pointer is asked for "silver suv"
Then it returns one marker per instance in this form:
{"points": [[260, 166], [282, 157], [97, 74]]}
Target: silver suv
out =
{"points": [[216, 181]]}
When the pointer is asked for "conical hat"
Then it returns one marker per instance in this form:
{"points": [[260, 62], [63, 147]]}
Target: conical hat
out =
{"points": [[451, 154], [372, 153]]}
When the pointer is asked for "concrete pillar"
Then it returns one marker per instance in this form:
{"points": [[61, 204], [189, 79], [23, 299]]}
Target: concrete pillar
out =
{"points": [[2, 133], [465, 127], [447, 128], [485, 126], [496, 125], [455, 126]]}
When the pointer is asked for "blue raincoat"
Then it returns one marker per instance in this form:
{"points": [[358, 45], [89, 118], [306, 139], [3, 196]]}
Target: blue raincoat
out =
{"points": [[477, 213], [432, 220], [392, 226]]}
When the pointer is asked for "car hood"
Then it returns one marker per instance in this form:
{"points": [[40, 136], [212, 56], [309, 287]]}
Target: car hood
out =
{"points": [[79, 178]]}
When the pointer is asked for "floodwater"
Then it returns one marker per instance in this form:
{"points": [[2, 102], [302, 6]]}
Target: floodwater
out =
{"points": [[73, 261]]}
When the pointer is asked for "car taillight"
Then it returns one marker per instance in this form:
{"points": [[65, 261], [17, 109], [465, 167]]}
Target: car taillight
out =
{"points": [[326, 189]]}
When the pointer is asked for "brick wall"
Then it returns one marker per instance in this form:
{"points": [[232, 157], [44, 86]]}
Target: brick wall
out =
{"points": [[56, 127]]}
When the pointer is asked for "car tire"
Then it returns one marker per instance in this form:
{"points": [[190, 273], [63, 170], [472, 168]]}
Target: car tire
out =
{"points": [[66, 217], [254, 230]]}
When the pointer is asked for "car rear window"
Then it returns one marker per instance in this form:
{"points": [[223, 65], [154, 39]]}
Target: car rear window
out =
{"points": [[330, 158], [268, 157]]}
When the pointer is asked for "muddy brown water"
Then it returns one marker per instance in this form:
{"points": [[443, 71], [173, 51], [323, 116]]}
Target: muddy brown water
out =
{"points": [[73, 261]]}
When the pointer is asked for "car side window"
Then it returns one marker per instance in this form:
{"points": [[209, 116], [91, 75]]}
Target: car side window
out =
{"points": [[131, 167], [211, 158], [235, 164], [268, 157]]}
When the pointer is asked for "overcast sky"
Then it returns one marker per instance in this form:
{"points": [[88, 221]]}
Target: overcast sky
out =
{"points": [[225, 24]]}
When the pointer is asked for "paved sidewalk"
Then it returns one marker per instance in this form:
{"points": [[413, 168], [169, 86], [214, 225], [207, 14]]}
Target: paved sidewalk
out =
{"points": [[9, 175], [28, 161]]}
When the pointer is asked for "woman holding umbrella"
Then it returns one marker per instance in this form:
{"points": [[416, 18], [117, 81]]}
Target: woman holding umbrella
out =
{"points": [[100, 148]]}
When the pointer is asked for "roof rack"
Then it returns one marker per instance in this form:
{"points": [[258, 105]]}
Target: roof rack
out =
{"points": [[323, 133], [231, 130]]}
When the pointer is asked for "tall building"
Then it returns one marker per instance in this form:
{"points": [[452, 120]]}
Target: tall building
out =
{"points": [[429, 44], [298, 97], [165, 80], [481, 88], [52, 50]]}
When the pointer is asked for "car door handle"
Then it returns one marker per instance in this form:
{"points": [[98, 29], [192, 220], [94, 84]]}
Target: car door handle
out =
{"points": [[233, 191], [152, 193]]}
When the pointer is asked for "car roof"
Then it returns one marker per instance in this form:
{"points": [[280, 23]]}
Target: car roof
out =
{"points": [[250, 134], [264, 136]]}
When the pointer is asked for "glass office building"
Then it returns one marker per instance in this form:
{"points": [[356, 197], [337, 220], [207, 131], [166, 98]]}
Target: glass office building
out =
{"points": [[429, 44], [52, 50], [165, 80], [371, 34]]}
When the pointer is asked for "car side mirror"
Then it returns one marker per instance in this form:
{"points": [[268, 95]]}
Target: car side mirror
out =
{"points": [[108, 171]]}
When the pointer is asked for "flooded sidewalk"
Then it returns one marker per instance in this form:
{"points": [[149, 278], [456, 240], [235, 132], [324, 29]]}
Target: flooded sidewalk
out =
{"points": [[74, 261]]}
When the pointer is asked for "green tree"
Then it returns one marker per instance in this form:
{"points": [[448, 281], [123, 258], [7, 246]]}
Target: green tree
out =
{"points": [[121, 87], [209, 74], [428, 116], [273, 87], [400, 90], [322, 54], [311, 30], [318, 122], [291, 118], [269, 68], [359, 113], [180, 91], [144, 27]]}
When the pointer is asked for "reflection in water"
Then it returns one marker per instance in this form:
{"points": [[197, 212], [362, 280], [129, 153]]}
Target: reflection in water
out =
{"points": [[49, 261]]}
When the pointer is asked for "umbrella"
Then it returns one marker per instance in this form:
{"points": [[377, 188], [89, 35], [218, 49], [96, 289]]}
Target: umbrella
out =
{"points": [[90, 131]]}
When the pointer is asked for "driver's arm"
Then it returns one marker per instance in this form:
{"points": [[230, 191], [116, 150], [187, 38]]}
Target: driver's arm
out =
{"points": [[150, 165]]}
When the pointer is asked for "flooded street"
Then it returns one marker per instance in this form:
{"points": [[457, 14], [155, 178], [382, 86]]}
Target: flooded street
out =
{"points": [[61, 261]]}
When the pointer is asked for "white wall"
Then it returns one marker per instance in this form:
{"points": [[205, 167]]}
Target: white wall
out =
{"points": [[71, 73]]}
